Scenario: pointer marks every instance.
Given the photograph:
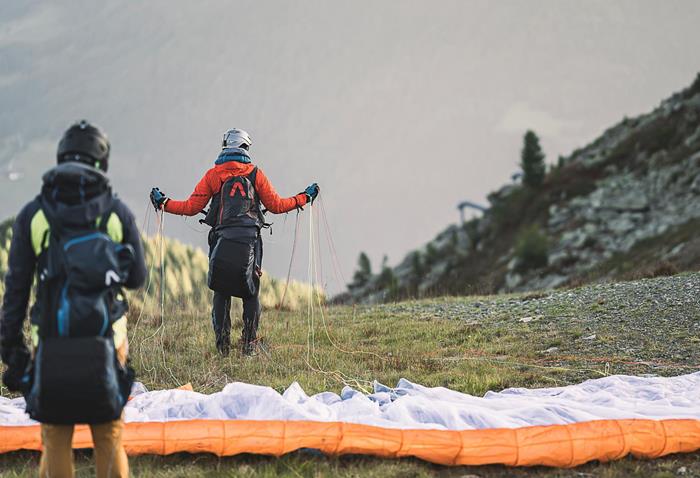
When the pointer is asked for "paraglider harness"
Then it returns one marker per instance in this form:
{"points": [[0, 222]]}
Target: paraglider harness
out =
{"points": [[75, 376], [235, 247]]}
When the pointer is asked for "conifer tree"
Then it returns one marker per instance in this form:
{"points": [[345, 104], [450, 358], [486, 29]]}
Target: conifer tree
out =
{"points": [[364, 271], [532, 161]]}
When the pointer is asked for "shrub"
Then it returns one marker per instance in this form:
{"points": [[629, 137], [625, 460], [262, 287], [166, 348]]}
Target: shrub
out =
{"points": [[655, 269], [531, 249]]}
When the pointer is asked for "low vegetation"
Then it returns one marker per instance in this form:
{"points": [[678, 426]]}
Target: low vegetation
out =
{"points": [[674, 251], [531, 249]]}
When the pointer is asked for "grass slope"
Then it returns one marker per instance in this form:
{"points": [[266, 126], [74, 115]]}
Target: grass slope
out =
{"points": [[470, 344]]}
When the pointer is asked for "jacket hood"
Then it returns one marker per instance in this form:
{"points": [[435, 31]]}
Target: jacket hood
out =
{"points": [[239, 155], [235, 167], [75, 193]]}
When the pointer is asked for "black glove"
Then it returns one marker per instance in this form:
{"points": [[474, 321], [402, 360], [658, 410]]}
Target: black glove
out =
{"points": [[17, 362], [311, 193], [158, 199]]}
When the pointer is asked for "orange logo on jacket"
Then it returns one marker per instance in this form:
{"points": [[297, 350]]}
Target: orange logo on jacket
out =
{"points": [[239, 187]]}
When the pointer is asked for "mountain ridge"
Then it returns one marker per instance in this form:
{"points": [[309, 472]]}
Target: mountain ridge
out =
{"points": [[626, 205]]}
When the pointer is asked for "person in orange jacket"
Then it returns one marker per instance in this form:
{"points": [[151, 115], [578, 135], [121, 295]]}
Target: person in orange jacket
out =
{"points": [[237, 190]]}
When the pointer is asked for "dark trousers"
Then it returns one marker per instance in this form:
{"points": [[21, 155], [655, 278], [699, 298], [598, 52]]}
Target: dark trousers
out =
{"points": [[221, 311], [221, 319]]}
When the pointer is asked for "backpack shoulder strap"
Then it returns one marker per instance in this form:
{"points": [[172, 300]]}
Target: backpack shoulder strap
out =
{"points": [[253, 176], [54, 226], [258, 204]]}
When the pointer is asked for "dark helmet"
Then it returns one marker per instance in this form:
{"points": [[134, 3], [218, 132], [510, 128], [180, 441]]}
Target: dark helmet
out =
{"points": [[85, 143]]}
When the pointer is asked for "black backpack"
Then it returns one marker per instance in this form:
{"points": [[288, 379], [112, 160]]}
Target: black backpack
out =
{"points": [[236, 218], [81, 282], [236, 204], [76, 375]]}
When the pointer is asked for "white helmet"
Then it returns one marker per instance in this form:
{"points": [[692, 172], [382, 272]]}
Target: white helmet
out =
{"points": [[236, 138]]}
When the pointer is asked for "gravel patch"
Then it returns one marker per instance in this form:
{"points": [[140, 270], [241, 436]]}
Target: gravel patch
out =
{"points": [[650, 326]]}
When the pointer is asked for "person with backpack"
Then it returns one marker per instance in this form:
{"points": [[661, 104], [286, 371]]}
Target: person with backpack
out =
{"points": [[82, 245], [238, 190]]}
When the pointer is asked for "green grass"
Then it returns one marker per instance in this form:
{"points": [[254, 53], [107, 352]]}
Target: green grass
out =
{"points": [[420, 341], [308, 464], [351, 347]]}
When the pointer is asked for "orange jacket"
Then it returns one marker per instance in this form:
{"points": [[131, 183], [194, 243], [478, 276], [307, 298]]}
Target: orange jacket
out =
{"points": [[211, 184]]}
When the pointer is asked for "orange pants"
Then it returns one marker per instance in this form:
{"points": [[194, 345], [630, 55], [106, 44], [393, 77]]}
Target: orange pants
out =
{"points": [[110, 457], [57, 457]]}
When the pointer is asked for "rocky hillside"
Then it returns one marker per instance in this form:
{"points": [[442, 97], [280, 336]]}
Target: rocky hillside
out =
{"points": [[185, 274], [625, 206]]}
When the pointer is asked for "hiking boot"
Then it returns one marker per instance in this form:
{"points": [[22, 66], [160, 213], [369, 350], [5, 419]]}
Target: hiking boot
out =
{"points": [[248, 348], [261, 345], [224, 348]]}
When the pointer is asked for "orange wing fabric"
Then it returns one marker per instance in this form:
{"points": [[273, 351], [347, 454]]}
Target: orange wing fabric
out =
{"points": [[552, 445]]}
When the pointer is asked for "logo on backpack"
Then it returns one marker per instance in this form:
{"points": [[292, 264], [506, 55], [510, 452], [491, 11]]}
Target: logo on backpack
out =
{"points": [[112, 277], [237, 187], [236, 204]]}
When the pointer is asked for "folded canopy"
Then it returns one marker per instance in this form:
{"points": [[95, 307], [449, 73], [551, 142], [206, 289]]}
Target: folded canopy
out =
{"points": [[601, 419]]}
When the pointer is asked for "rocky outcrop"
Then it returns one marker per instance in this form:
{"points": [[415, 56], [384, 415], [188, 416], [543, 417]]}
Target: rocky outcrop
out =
{"points": [[642, 198], [623, 210], [639, 180]]}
